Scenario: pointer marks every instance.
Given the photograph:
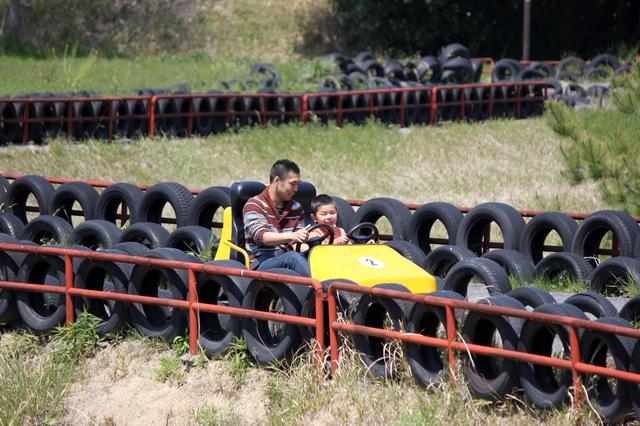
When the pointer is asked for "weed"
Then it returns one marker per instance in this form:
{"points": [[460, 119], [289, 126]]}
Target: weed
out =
{"points": [[170, 370], [78, 340], [181, 345], [211, 416], [239, 359]]}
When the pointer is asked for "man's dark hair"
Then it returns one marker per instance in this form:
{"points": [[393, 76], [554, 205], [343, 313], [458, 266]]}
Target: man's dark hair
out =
{"points": [[282, 168], [321, 200]]}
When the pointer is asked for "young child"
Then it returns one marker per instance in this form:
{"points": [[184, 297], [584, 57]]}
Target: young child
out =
{"points": [[324, 211]]}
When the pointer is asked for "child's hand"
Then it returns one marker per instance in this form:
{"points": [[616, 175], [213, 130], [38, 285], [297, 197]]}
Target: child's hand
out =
{"points": [[341, 240], [372, 241]]}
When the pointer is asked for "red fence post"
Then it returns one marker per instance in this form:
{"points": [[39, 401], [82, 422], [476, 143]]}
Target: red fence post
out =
{"points": [[68, 283], [333, 334], [451, 337], [152, 115], [194, 326]]}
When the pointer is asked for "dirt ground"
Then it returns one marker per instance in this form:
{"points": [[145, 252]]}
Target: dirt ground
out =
{"points": [[121, 388]]}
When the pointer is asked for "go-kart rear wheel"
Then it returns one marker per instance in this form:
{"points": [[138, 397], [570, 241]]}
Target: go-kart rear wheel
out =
{"points": [[377, 354]]}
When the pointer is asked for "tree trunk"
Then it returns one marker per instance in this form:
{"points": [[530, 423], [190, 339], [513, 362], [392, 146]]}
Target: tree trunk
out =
{"points": [[14, 15]]}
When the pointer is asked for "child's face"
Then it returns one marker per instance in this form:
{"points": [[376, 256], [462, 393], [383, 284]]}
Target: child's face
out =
{"points": [[326, 214]]}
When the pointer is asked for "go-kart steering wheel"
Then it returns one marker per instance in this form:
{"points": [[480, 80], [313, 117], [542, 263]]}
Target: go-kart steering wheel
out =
{"points": [[311, 242], [362, 239]]}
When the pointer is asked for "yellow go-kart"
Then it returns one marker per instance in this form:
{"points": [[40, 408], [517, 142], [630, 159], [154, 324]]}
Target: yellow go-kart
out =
{"points": [[359, 263]]}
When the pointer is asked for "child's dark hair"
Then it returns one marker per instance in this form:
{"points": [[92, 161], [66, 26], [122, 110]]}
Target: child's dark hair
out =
{"points": [[321, 200]]}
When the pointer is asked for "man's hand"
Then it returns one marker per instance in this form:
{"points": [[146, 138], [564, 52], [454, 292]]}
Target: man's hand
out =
{"points": [[300, 235]]}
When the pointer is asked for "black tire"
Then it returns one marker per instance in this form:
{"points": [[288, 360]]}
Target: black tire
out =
{"points": [[516, 264], [426, 215], [440, 260], [9, 265], [92, 275], [593, 304], [196, 240], [218, 331], [538, 228], [615, 276], [156, 321], [149, 234], [395, 211], [346, 303], [454, 50], [605, 59], [132, 248], [531, 296], [572, 64], [634, 367], [539, 382], [42, 312], [593, 228], [45, 229], [160, 194], [473, 226], [543, 67], [408, 251], [614, 401], [67, 194], [95, 234], [491, 378], [19, 191], [345, 213], [11, 225], [428, 363], [631, 310], [205, 206], [4, 188], [112, 199], [490, 273], [560, 267], [372, 312], [503, 71], [264, 341]]}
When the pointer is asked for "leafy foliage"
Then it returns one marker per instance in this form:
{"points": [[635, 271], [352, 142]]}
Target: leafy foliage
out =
{"points": [[603, 145], [77, 341]]}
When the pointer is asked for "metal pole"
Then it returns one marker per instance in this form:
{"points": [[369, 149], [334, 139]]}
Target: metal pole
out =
{"points": [[526, 30]]}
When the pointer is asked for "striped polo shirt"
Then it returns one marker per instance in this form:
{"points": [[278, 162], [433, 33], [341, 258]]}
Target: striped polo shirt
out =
{"points": [[260, 215]]}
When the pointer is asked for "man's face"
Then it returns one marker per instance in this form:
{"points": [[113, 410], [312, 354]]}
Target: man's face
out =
{"points": [[287, 187]]}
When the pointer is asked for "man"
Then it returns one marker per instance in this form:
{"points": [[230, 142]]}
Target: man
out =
{"points": [[274, 222]]}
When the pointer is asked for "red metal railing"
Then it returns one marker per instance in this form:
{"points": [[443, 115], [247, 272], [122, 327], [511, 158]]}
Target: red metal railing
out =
{"points": [[106, 114], [451, 343]]}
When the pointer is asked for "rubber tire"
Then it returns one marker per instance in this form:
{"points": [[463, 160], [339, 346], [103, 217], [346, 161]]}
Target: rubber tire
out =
{"points": [[371, 312], [531, 296], [538, 382], [592, 303], [426, 215], [555, 265], [47, 227], [408, 251], [9, 265], [345, 212], [538, 228], [192, 239], [475, 223], [131, 248], [634, 367], [593, 350], [155, 198], [41, 312], [616, 270], [4, 188], [215, 337], [149, 234], [484, 379], [605, 59], [111, 199], [571, 60], [11, 225], [395, 211], [67, 194], [92, 275], [494, 277], [516, 264], [345, 303], [150, 320], [594, 227], [454, 50], [206, 204], [427, 365], [20, 190], [95, 234], [260, 343], [440, 260]]}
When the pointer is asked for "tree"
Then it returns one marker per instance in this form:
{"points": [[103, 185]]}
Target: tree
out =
{"points": [[604, 146]]}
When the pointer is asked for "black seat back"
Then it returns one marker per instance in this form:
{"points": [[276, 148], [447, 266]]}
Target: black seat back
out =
{"points": [[306, 192]]}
